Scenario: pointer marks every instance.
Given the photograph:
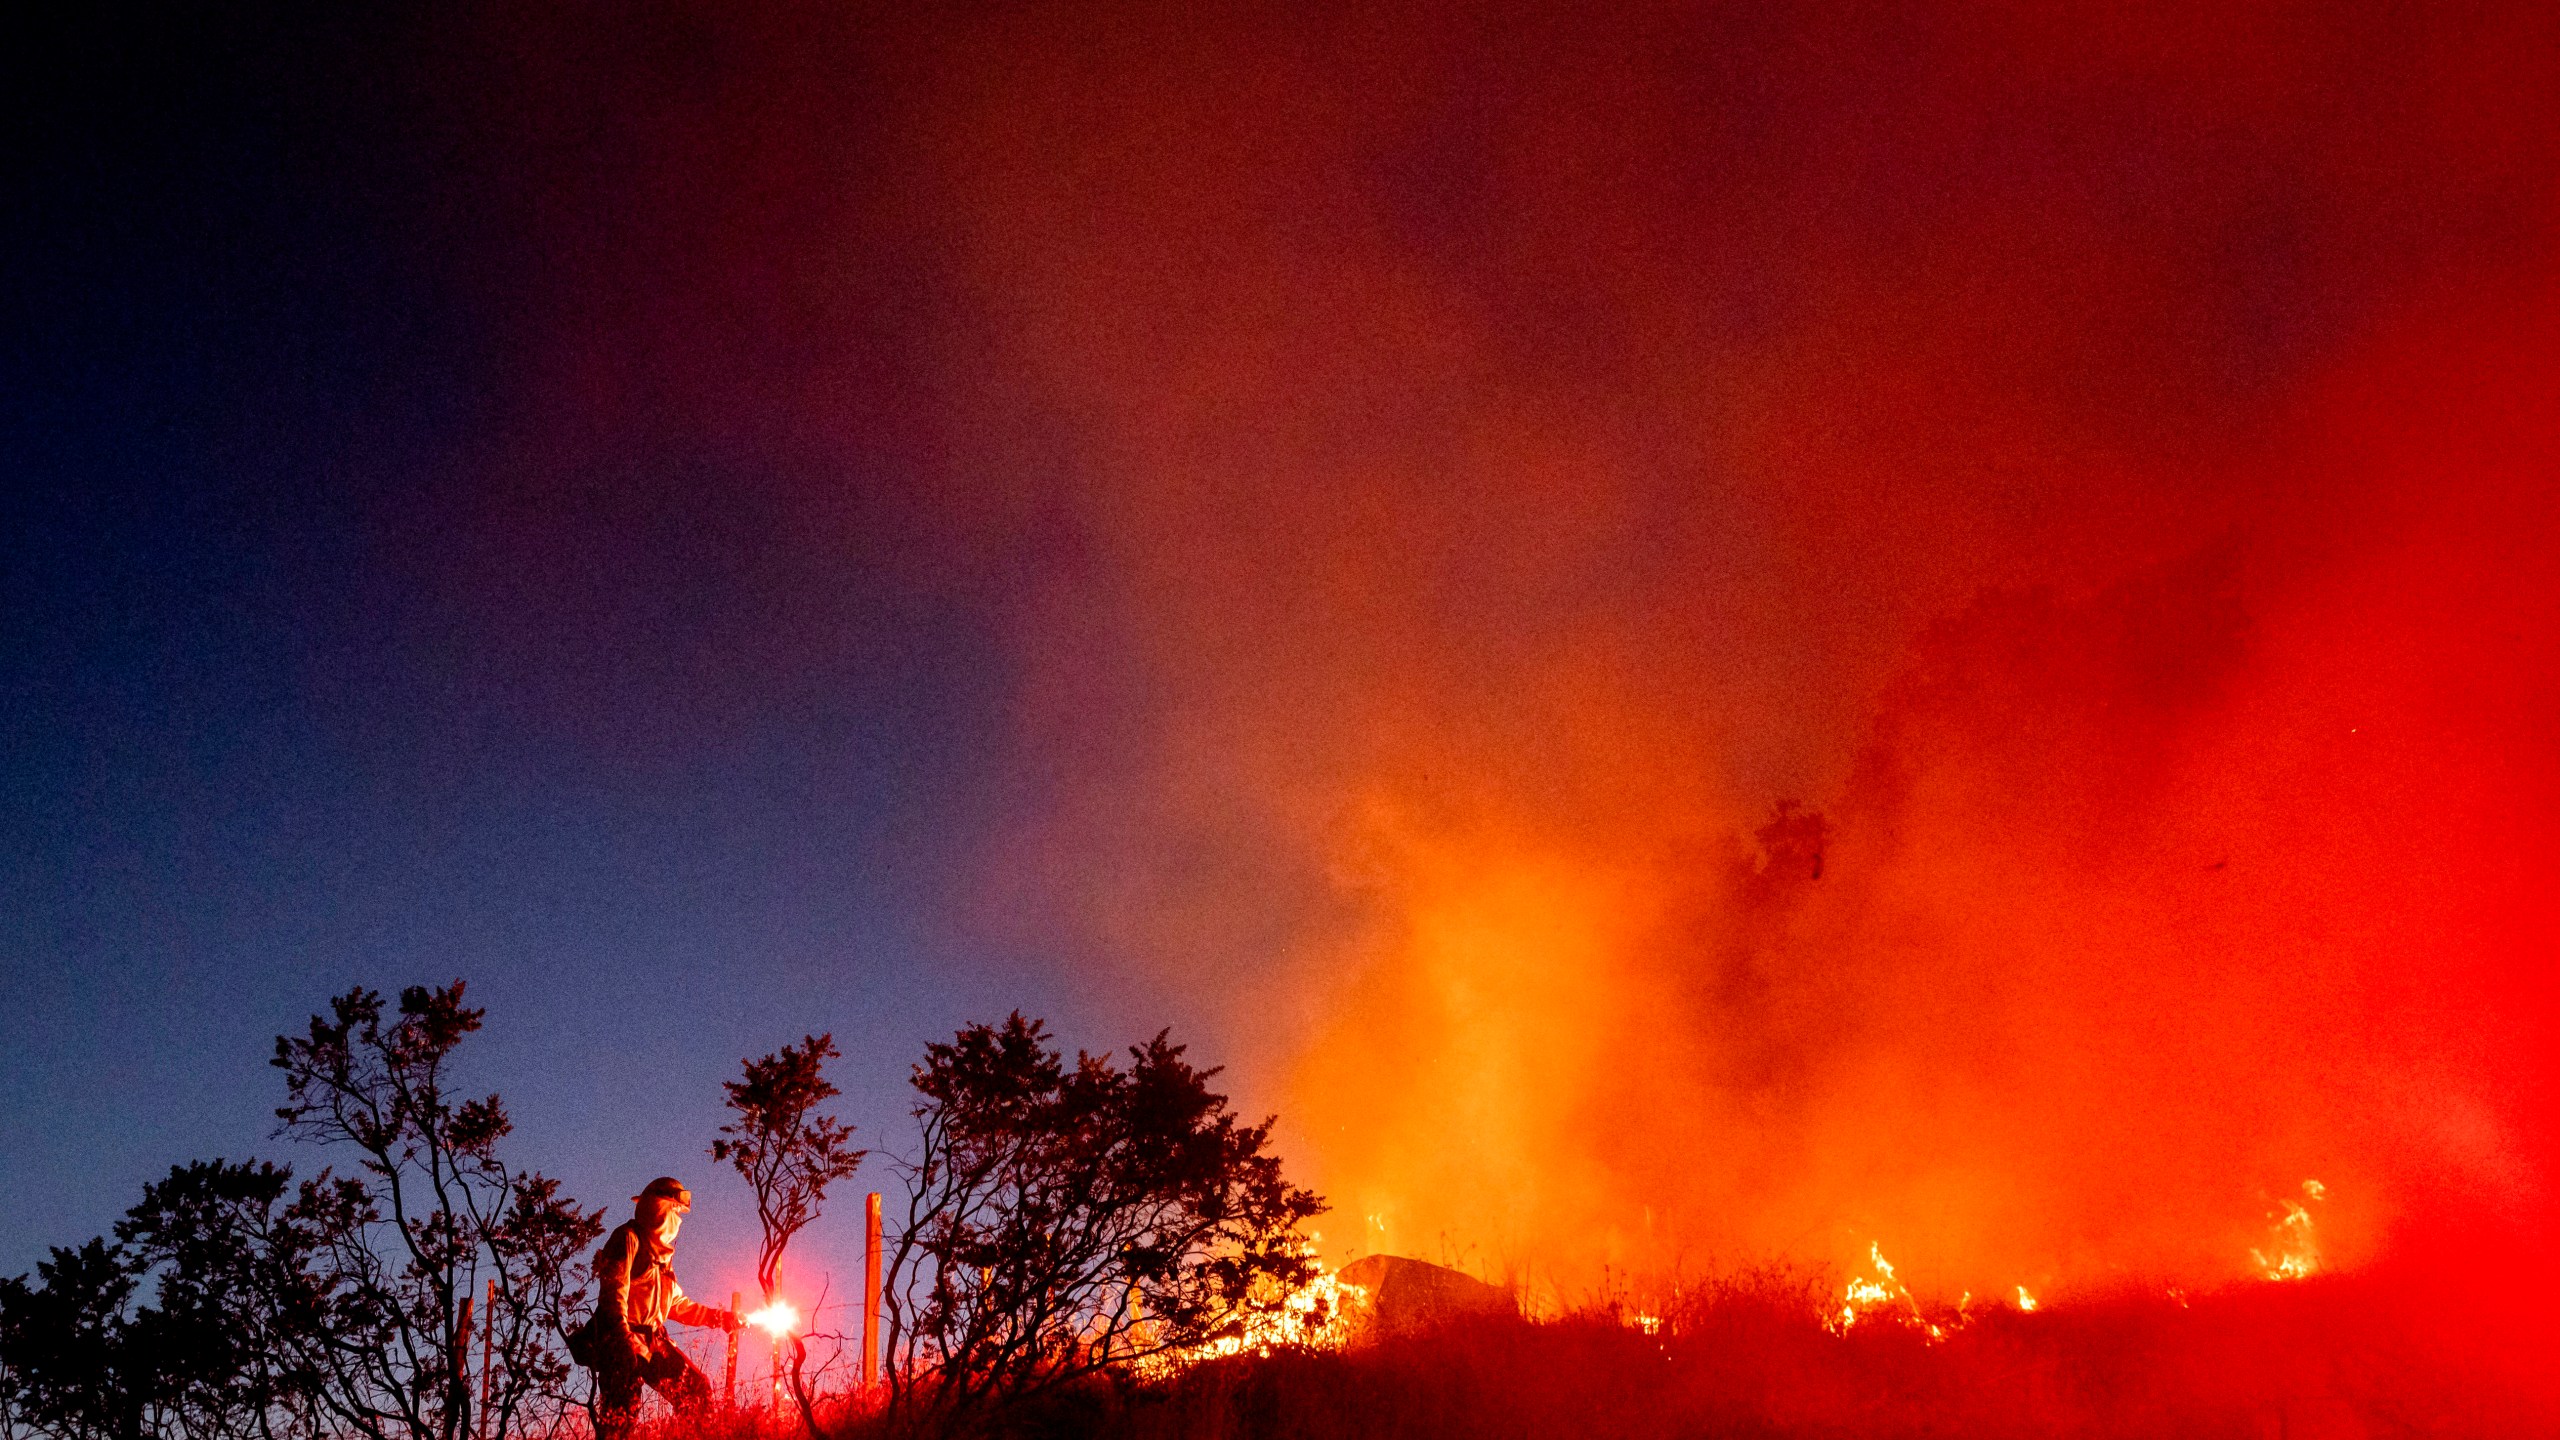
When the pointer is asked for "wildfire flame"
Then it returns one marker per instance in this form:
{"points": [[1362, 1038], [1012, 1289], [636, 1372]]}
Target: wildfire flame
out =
{"points": [[1319, 1315], [1316, 1316], [776, 1319], [1324, 1313], [2294, 1252], [1867, 1294]]}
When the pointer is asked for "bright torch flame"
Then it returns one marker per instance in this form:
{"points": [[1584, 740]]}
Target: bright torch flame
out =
{"points": [[776, 1319]]}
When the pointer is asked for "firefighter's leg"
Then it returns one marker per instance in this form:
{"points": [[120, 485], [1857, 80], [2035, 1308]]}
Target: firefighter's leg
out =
{"points": [[673, 1374], [619, 1373]]}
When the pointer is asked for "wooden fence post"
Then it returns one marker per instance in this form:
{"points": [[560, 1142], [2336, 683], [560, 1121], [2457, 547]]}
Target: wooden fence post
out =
{"points": [[871, 1290], [729, 1372], [458, 1396]]}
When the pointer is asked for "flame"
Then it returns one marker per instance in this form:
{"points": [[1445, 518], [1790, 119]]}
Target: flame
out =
{"points": [[1322, 1314], [1867, 1294], [1317, 1316], [2026, 1302], [2294, 1252], [776, 1319]]}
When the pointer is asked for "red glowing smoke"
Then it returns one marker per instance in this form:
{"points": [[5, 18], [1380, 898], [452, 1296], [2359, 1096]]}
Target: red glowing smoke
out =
{"points": [[1443, 479]]}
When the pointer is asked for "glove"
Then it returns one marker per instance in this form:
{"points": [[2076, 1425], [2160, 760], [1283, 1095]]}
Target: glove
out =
{"points": [[732, 1322]]}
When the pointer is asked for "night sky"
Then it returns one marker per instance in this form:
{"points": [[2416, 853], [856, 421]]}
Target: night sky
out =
{"points": [[1330, 534], [349, 643]]}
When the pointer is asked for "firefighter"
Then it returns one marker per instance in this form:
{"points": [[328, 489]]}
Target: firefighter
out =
{"points": [[626, 1340]]}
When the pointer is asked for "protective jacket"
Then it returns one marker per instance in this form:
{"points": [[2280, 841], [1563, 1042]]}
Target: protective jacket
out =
{"points": [[636, 1285]]}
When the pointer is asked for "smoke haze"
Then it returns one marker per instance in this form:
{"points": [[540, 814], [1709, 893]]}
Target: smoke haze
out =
{"points": [[1437, 482], [2105, 473]]}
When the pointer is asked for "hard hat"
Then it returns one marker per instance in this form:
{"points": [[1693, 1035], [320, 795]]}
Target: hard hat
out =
{"points": [[666, 1187]]}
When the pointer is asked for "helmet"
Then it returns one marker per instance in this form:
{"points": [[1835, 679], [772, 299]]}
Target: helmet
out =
{"points": [[667, 1188]]}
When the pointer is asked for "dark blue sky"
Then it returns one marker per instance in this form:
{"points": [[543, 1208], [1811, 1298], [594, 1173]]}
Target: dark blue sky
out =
{"points": [[287, 710]]}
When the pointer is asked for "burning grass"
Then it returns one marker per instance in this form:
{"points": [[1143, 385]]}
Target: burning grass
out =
{"points": [[1392, 1349], [1758, 1354], [2325, 1357]]}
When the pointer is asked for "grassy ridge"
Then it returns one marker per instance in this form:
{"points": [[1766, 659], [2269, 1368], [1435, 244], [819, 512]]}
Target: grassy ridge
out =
{"points": [[2341, 1357]]}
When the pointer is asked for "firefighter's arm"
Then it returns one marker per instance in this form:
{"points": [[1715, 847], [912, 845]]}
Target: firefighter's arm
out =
{"points": [[613, 1280], [685, 1310]]}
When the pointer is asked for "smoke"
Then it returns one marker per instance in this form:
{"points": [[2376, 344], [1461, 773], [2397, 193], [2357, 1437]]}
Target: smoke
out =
{"points": [[1443, 480], [2102, 476]]}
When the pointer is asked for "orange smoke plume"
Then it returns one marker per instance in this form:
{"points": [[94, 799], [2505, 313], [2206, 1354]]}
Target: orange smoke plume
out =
{"points": [[1481, 512], [1444, 479]]}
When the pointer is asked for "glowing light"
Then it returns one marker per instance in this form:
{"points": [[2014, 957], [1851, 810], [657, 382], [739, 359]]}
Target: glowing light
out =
{"points": [[1649, 1324], [1316, 1317], [2293, 1251], [1867, 1294], [1322, 1314], [2026, 1302], [777, 1319]]}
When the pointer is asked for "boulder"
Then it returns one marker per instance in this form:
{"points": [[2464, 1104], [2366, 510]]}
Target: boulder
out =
{"points": [[1406, 1295]]}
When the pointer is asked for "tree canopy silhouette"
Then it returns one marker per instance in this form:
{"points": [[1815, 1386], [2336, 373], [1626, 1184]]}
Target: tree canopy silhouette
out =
{"points": [[779, 1143], [234, 1303], [1066, 1219], [430, 1211]]}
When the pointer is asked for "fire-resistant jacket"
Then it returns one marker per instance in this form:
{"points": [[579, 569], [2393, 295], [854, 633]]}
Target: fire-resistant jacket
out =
{"points": [[636, 1284]]}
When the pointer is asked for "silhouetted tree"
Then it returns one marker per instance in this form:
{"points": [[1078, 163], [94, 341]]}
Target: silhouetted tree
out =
{"points": [[223, 1350], [428, 1213], [1062, 1220], [788, 1153], [240, 1312], [66, 1343], [279, 1311]]}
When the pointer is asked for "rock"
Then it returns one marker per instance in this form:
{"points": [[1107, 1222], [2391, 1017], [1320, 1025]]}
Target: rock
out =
{"points": [[1406, 1295]]}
